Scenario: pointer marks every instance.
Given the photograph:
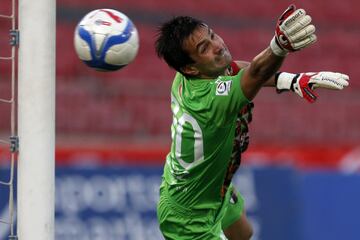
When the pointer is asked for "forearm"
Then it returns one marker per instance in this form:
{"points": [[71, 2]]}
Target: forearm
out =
{"points": [[261, 71], [268, 83], [271, 82], [265, 65]]}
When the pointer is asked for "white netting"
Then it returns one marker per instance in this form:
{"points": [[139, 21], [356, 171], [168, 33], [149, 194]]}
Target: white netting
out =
{"points": [[8, 63]]}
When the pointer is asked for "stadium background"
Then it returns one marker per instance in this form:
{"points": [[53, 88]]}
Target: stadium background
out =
{"points": [[300, 174]]}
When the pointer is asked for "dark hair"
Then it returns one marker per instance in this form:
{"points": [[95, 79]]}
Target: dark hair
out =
{"points": [[170, 39]]}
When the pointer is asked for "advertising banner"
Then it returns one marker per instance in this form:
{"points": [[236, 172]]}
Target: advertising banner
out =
{"points": [[119, 203]]}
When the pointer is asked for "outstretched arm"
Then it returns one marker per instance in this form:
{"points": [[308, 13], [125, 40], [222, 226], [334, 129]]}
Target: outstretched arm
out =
{"points": [[293, 32], [304, 84]]}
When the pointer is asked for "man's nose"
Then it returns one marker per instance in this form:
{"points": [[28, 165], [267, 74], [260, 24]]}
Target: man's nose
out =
{"points": [[217, 47]]}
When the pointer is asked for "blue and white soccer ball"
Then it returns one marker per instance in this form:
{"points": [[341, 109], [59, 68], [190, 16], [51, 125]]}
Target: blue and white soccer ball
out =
{"points": [[106, 39]]}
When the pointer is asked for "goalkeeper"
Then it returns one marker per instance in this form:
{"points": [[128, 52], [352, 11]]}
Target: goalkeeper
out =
{"points": [[211, 104]]}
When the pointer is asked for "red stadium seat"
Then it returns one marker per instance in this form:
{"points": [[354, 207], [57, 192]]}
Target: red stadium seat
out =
{"points": [[135, 101]]}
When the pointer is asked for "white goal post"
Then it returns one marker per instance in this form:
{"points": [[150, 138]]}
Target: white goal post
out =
{"points": [[36, 120]]}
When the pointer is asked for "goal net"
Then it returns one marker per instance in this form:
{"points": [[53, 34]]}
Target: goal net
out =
{"points": [[9, 139]]}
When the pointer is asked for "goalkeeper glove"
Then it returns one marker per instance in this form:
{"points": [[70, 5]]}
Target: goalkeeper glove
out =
{"points": [[304, 83], [293, 32]]}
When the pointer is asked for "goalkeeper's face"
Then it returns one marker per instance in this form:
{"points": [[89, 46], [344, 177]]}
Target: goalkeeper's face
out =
{"points": [[209, 52]]}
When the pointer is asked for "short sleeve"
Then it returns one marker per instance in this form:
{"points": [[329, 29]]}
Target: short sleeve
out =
{"points": [[228, 99]]}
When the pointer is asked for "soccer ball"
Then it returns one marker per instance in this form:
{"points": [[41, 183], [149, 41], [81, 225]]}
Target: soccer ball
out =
{"points": [[106, 40]]}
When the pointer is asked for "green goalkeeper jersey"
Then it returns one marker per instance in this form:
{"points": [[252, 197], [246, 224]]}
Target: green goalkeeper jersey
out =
{"points": [[197, 169]]}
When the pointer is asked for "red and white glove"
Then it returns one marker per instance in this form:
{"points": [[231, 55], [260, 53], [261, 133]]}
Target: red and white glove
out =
{"points": [[304, 83], [294, 31]]}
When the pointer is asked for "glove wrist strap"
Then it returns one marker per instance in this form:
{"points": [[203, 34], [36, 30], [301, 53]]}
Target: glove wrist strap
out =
{"points": [[276, 49], [285, 81]]}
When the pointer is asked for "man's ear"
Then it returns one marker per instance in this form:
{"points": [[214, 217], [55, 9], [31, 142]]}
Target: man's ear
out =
{"points": [[190, 70]]}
